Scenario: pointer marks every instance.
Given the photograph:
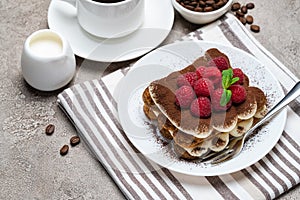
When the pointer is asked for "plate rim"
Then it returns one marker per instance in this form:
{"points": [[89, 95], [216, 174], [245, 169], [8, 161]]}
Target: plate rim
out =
{"points": [[283, 113]]}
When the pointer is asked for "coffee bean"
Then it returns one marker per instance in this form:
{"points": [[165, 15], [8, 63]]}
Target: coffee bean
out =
{"points": [[239, 13], [202, 5], [199, 9], [64, 150], [250, 5], [244, 9], [255, 28], [210, 3], [193, 3], [208, 9], [50, 129], [249, 19], [189, 7], [220, 4], [243, 20], [74, 140], [235, 6], [215, 6]]}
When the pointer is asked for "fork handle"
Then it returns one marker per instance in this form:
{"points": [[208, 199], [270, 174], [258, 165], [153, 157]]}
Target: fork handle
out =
{"points": [[290, 96]]}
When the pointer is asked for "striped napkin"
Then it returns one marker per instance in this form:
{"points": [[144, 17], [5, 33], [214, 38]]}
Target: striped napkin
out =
{"points": [[92, 109]]}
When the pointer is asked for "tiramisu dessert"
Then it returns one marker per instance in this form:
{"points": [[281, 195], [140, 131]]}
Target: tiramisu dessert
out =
{"points": [[203, 105]]}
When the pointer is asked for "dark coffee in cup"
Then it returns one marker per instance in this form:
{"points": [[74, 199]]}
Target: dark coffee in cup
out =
{"points": [[108, 1]]}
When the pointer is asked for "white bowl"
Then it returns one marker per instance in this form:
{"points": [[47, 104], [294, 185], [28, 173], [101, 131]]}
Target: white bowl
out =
{"points": [[47, 62], [201, 17]]}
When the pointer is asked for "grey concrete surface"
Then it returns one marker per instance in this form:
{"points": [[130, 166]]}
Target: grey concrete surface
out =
{"points": [[30, 164]]}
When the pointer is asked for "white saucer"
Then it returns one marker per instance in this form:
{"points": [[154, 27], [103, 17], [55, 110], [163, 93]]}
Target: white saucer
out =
{"points": [[159, 18]]}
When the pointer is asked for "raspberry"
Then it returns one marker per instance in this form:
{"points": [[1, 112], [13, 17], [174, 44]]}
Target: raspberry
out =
{"points": [[239, 93], [201, 107], [237, 72], [216, 98], [219, 62], [213, 74], [184, 96], [203, 87], [200, 71], [188, 79]]}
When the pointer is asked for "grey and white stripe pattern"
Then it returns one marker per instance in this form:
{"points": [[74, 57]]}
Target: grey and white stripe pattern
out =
{"points": [[92, 109]]}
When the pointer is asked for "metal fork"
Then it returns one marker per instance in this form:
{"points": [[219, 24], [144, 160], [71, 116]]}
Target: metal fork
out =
{"points": [[235, 146]]}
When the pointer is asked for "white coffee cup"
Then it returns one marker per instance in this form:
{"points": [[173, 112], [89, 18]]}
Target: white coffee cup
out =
{"points": [[47, 62], [109, 20]]}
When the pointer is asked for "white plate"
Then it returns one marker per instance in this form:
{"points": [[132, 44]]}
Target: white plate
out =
{"points": [[159, 18], [177, 56]]}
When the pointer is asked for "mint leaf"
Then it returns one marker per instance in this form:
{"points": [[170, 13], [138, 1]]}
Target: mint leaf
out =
{"points": [[235, 79], [227, 81], [227, 78], [226, 96]]}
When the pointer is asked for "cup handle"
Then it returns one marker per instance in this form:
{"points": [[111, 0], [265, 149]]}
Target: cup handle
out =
{"points": [[72, 2]]}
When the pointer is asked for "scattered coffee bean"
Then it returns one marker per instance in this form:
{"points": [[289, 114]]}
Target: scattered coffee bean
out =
{"points": [[243, 20], [239, 13], [235, 6], [202, 5], [74, 140], [250, 5], [249, 19], [255, 28], [244, 9], [50, 129], [64, 150]]}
